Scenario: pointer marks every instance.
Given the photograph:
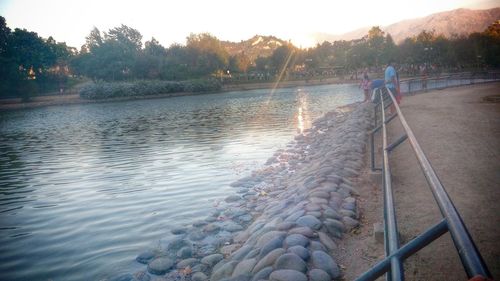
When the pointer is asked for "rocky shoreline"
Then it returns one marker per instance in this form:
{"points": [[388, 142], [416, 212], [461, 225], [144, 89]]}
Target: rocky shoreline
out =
{"points": [[283, 221]]}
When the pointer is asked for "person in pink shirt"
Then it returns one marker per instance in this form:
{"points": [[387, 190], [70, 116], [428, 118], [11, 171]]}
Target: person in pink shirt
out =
{"points": [[365, 85]]}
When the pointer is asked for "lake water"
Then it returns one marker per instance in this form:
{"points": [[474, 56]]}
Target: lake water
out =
{"points": [[85, 188]]}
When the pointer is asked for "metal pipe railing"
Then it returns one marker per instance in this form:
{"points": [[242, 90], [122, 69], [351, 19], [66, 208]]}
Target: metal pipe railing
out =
{"points": [[424, 83], [471, 258], [390, 225]]}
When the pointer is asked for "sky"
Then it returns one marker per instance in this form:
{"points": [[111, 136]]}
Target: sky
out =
{"points": [[232, 20]]}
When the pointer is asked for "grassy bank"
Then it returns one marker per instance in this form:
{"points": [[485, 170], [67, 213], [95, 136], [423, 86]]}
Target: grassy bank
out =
{"points": [[106, 92], [142, 88]]}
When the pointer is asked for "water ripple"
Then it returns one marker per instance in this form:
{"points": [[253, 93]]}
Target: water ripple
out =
{"points": [[84, 188]]}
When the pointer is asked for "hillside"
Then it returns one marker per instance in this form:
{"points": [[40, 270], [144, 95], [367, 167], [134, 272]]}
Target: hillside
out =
{"points": [[455, 22], [256, 46]]}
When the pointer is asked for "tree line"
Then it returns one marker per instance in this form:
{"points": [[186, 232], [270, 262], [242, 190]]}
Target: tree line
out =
{"points": [[31, 64]]}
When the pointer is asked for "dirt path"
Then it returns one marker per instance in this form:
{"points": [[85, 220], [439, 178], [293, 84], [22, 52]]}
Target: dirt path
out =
{"points": [[460, 134]]}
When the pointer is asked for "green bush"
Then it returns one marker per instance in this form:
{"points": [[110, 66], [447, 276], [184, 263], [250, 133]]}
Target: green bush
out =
{"points": [[106, 90]]}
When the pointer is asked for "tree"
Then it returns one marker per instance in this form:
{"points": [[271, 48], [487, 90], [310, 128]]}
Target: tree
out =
{"points": [[128, 38], [112, 57], [281, 58], [239, 63], [176, 65], [154, 48], [4, 36], [207, 55], [92, 41]]}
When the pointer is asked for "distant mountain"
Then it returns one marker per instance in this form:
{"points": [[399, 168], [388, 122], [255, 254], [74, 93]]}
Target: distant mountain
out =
{"points": [[256, 46], [455, 22]]}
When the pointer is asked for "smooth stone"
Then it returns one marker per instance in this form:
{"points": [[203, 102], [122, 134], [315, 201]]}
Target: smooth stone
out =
{"points": [[256, 225], [199, 223], [316, 214], [318, 275], [160, 265], [304, 230], [238, 278], [268, 260], [344, 192], [262, 274], [300, 251], [245, 218], [229, 249], [196, 235], [141, 276], [200, 267], [199, 276], [334, 226], [322, 260], [290, 261], [178, 231], [206, 249], [349, 206], [348, 213], [294, 216], [273, 244], [241, 253], [244, 267], [311, 207], [320, 194], [176, 244], [318, 200], [273, 223], [231, 226], [296, 240], [138, 276], [264, 239], [232, 198], [252, 254], [187, 262], [316, 246], [211, 219], [350, 200], [241, 237], [332, 214], [185, 252], [224, 271], [218, 265], [284, 226], [309, 221], [327, 241], [211, 228], [287, 275], [212, 259], [145, 257], [334, 179], [235, 212], [350, 223]]}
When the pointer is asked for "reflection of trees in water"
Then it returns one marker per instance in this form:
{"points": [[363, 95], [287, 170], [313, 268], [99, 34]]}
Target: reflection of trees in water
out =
{"points": [[15, 172]]}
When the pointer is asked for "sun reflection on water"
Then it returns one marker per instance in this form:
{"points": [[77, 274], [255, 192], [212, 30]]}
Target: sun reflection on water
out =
{"points": [[303, 117]]}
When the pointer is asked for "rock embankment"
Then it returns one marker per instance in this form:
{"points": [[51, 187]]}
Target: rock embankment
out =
{"points": [[284, 219]]}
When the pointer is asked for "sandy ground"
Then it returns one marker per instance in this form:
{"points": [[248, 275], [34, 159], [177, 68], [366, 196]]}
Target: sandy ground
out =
{"points": [[460, 133]]}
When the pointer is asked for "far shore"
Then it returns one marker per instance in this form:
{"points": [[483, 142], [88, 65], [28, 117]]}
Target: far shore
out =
{"points": [[58, 99]]}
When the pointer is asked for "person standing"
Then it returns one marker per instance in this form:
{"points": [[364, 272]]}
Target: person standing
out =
{"points": [[365, 85], [392, 81]]}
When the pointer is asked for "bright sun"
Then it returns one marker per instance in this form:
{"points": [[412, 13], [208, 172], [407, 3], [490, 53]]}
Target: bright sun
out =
{"points": [[303, 41]]}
